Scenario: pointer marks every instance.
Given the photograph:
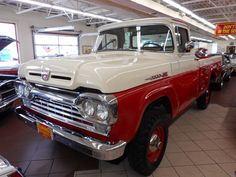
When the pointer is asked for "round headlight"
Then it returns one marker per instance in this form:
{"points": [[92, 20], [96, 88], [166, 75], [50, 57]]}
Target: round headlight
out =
{"points": [[20, 90], [88, 108], [102, 112]]}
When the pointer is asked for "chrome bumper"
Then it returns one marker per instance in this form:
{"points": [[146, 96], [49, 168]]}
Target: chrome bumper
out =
{"points": [[86, 145]]}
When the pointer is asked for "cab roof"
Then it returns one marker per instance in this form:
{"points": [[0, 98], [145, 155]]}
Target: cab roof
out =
{"points": [[143, 21]]}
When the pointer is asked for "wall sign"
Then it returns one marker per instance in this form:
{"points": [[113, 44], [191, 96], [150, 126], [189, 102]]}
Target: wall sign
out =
{"points": [[223, 29]]}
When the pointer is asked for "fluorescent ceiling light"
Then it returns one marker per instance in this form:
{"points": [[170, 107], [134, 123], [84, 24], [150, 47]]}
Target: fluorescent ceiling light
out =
{"points": [[61, 28], [231, 37], [201, 39], [45, 5], [190, 13]]}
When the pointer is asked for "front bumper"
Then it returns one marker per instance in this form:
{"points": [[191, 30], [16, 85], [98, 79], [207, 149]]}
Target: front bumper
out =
{"points": [[86, 145]]}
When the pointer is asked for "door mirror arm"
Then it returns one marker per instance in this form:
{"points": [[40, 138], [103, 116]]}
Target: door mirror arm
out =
{"points": [[189, 45]]}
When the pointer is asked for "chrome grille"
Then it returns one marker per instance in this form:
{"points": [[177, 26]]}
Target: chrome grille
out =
{"points": [[52, 107], [7, 91]]}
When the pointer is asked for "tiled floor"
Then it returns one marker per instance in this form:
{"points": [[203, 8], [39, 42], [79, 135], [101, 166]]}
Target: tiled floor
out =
{"points": [[39, 157], [201, 144]]}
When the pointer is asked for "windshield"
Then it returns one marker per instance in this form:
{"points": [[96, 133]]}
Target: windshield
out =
{"points": [[154, 38]]}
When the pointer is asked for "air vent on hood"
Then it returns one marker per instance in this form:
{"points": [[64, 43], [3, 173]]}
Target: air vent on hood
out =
{"points": [[61, 77], [52, 76]]}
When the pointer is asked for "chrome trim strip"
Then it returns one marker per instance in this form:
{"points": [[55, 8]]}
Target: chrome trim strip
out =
{"points": [[7, 102], [87, 145], [5, 82], [6, 91], [56, 89]]}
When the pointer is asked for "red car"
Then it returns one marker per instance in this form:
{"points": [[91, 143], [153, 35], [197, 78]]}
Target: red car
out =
{"points": [[8, 73]]}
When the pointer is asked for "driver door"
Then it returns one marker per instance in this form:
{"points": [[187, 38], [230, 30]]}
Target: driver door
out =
{"points": [[189, 70]]}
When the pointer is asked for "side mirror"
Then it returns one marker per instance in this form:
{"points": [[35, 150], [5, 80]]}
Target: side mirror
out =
{"points": [[189, 45]]}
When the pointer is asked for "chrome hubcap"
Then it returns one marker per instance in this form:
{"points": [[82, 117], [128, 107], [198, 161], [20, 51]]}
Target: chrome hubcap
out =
{"points": [[155, 143]]}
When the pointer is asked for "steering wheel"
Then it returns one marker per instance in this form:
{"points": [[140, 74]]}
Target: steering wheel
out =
{"points": [[152, 43]]}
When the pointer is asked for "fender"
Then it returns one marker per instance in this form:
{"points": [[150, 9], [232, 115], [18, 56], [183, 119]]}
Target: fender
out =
{"points": [[133, 103], [165, 91]]}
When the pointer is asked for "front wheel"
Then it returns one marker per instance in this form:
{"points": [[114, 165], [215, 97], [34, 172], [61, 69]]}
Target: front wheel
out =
{"points": [[204, 100], [148, 148]]}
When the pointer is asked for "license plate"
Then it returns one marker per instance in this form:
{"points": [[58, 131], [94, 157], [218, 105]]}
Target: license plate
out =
{"points": [[45, 131]]}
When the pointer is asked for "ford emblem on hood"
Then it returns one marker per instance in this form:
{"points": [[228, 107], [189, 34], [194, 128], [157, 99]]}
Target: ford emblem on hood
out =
{"points": [[45, 75]]}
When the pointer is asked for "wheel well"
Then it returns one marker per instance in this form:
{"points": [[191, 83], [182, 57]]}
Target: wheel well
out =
{"points": [[163, 102], [213, 77]]}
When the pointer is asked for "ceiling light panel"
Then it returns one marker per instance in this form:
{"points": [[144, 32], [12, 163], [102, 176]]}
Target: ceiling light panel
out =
{"points": [[45, 5], [189, 12]]}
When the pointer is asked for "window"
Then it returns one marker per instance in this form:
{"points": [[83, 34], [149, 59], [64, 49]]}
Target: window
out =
{"points": [[153, 38], [10, 52], [53, 45], [181, 37]]}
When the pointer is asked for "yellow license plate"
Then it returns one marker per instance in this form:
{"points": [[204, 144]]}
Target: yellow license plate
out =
{"points": [[45, 131]]}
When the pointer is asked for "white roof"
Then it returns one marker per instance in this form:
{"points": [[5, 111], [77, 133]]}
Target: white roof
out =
{"points": [[143, 21]]}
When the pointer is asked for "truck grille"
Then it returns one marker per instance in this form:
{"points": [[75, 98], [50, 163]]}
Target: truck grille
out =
{"points": [[57, 110], [7, 91]]}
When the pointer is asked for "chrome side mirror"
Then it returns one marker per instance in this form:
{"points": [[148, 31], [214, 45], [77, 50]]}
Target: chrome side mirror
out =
{"points": [[189, 45]]}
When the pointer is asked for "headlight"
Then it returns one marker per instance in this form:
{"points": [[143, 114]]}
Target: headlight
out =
{"points": [[102, 112], [88, 108], [98, 108]]}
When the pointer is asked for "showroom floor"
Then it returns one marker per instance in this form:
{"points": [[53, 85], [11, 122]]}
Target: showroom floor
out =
{"points": [[201, 144]]}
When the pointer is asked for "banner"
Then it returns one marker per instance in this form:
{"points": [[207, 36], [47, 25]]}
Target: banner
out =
{"points": [[223, 29]]}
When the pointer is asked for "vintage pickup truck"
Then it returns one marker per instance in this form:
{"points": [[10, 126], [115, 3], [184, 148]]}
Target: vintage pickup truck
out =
{"points": [[121, 98], [8, 73]]}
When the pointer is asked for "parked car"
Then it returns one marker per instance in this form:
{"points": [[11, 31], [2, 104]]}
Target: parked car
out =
{"points": [[226, 72], [232, 58], [227, 68], [124, 96], [7, 170], [8, 73]]}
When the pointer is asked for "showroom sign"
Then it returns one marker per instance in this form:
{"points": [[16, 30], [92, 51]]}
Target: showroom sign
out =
{"points": [[223, 29]]}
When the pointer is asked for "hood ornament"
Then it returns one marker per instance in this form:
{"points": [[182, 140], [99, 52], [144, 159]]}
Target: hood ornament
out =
{"points": [[45, 75]]}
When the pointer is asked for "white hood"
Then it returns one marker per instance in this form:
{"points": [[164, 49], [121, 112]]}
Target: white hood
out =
{"points": [[107, 72]]}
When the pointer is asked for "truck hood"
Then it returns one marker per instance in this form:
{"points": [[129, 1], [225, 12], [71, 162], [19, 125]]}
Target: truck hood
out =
{"points": [[108, 72]]}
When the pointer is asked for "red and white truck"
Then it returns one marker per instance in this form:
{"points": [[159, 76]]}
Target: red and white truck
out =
{"points": [[121, 98]]}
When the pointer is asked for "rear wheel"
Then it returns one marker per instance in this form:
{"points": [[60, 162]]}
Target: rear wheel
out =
{"points": [[148, 147], [204, 100]]}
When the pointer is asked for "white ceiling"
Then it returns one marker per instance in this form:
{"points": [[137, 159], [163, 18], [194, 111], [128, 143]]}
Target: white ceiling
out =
{"points": [[212, 10]]}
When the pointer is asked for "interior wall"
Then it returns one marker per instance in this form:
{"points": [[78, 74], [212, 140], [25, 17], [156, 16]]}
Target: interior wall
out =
{"points": [[222, 44], [25, 21]]}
